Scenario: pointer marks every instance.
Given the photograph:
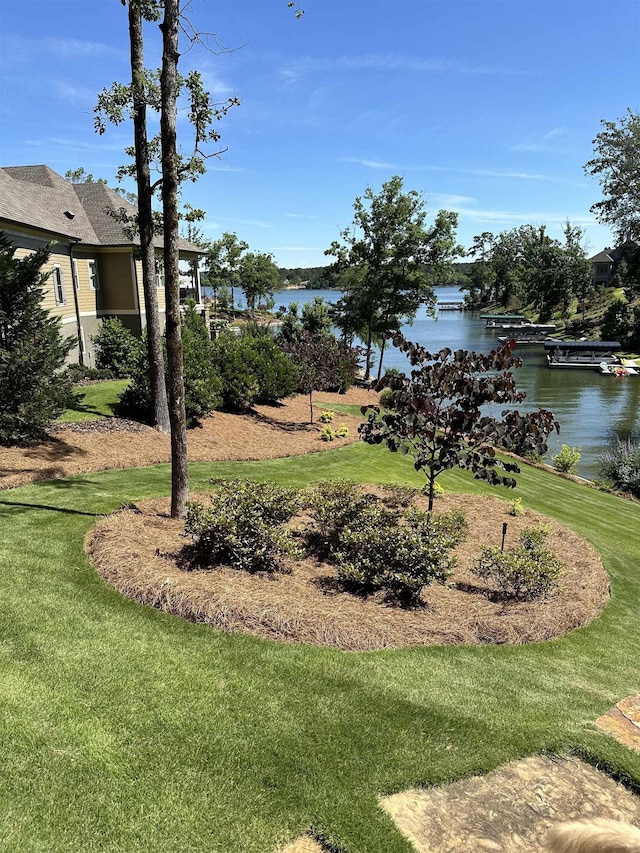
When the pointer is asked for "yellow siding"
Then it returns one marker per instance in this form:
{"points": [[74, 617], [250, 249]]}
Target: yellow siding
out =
{"points": [[87, 296], [117, 291]]}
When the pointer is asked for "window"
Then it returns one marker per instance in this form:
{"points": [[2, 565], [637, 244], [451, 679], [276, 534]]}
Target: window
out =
{"points": [[58, 285], [159, 272], [94, 282]]}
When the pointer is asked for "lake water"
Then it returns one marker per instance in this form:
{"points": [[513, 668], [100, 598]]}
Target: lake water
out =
{"points": [[591, 409]]}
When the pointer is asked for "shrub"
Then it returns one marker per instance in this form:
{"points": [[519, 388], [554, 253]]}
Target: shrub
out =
{"points": [[326, 417], [527, 572], [116, 348], [397, 495], [78, 373], [32, 350], [438, 490], [342, 430], [401, 559], [567, 459], [335, 505], [515, 507], [242, 526], [621, 465]]}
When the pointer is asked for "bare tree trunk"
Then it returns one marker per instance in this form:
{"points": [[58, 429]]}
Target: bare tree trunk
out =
{"points": [[169, 96], [382, 346], [160, 409]]}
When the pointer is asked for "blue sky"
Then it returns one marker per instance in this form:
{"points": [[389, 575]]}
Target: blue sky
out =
{"points": [[488, 108]]}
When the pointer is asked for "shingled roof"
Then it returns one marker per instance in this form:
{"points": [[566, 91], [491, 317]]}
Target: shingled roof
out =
{"points": [[602, 258], [38, 197]]}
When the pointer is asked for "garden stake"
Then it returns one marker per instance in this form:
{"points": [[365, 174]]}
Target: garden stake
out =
{"points": [[504, 533]]}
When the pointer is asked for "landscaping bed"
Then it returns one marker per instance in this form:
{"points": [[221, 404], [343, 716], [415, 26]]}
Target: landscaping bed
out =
{"points": [[144, 554]]}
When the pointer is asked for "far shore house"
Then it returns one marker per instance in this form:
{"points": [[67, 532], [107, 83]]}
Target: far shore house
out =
{"points": [[94, 269], [605, 264]]}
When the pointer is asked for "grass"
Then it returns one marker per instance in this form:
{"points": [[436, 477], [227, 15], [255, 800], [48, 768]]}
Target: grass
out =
{"points": [[125, 729], [96, 402]]}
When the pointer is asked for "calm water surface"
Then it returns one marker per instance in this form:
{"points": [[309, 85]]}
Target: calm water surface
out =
{"points": [[590, 408]]}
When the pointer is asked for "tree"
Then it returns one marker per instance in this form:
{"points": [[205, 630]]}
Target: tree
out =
{"points": [[435, 414], [322, 364], [386, 257], [32, 350], [258, 276], [223, 264], [617, 165]]}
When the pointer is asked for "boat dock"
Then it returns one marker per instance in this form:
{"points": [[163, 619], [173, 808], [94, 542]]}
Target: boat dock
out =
{"points": [[582, 355], [527, 334], [498, 321], [450, 306]]}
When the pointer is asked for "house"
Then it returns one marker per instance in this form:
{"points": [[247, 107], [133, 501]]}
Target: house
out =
{"points": [[605, 264], [94, 269]]}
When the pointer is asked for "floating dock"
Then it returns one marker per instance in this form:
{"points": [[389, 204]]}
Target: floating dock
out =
{"points": [[581, 355]]}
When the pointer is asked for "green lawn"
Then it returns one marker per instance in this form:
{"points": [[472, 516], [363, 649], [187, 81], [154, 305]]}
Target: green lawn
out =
{"points": [[125, 729], [98, 401]]}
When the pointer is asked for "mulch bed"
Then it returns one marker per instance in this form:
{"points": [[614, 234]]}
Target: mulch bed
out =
{"points": [[141, 552]]}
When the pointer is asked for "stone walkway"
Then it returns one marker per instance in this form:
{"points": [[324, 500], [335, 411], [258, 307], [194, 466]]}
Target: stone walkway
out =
{"points": [[623, 722]]}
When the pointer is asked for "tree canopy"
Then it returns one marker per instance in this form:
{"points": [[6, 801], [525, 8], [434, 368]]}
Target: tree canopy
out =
{"points": [[388, 259], [617, 166]]}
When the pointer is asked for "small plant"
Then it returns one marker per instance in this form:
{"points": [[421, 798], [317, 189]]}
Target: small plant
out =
{"points": [[438, 490], [243, 525], [335, 505], [327, 417], [567, 459], [342, 431], [515, 507], [621, 466], [527, 572], [78, 373], [397, 495], [537, 458], [327, 433], [116, 348]]}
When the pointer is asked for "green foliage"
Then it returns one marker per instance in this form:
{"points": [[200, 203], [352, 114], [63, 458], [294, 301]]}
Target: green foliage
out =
{"points": [[32, 350], [515, 507], [379, 553], [252, 369], [116, 348], [435, 414], [527, 572], [313, 319], [78, 372], [399, 495], [258, 276], [327, 433], [326, 417], [621, 466], [242, 525], [342, 430], [202, 385], [335, 505], [567, 459], [621, 322]]}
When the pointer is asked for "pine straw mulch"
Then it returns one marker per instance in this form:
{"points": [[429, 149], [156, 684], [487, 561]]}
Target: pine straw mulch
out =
{"points": [[267, 432], [142, 552]]}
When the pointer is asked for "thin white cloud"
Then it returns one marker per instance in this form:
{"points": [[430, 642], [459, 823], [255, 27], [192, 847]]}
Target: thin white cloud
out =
{"points": [[69, 48], [491, 173], [543, 142], [74, 93], [253, 223], [297, 248], [294, 71]]}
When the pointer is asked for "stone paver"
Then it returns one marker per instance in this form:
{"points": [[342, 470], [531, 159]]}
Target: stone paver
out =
{"points": [[623, 722], [509, 810]]}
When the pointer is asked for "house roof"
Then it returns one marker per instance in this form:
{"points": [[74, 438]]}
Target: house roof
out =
{"points": [[38, 197], [602, 258]]}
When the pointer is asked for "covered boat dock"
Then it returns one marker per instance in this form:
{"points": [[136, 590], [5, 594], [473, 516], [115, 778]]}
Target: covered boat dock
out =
{"points": [[587, 355]]}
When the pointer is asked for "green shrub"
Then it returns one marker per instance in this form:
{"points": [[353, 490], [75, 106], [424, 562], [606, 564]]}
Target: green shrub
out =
{"points": [[335, 505], [397, 495], [438, 490], [382, 554], [621, 465], [326, 417], [527, 572], [78, 373], [242, 527], [33, 390], [116, 348], [385, 397], [342, 431], [567, 459]]}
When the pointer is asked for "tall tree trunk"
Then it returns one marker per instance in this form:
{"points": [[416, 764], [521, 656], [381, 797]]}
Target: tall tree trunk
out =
{"points": [[382, 346], [170, 184], [160, 409]]}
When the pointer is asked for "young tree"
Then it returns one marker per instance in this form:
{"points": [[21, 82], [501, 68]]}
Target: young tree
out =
{"points": [[435, 414], [617, 165], [223, 265], [258, 277], [322, 364], [386, 255], [32, 350]]}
